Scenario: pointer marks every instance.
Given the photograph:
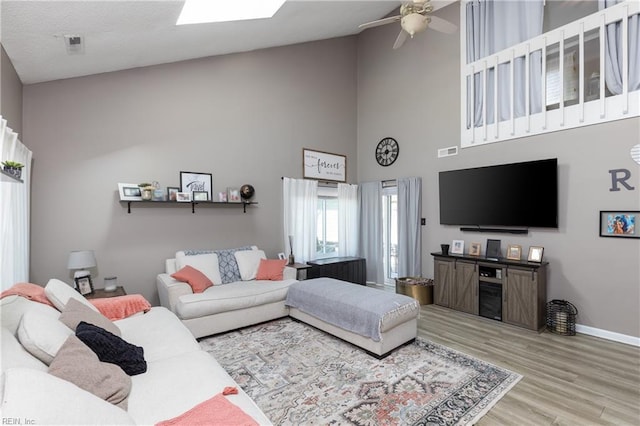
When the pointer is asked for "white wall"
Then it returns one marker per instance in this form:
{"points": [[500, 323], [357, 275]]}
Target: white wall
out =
{"points": [[413, 95], [244, 118]]}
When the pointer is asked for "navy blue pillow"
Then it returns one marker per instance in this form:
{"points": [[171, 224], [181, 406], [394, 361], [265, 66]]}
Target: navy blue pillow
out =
{"points": [[112, 349]]}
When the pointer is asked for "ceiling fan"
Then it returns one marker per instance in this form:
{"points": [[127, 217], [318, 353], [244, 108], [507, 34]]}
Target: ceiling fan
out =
{"points": [[414, 18]]}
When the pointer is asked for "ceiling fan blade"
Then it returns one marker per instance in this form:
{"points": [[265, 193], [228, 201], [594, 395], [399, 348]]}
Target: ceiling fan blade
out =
{"points": [[441, 25], [379, 22], [402, 37]]}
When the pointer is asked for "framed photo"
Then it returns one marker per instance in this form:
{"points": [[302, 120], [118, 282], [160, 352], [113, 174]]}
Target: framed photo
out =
{"points": [[192, 181], [323, 165], [222, 196], [171, 192], [200, 196], [475, 249], [233, 195], [158, 195], [493, 249], [183, 197], [619, 223], [129, 192], [535, 254], [457, 247], [84, 285], [281, 256], [514, 252]]}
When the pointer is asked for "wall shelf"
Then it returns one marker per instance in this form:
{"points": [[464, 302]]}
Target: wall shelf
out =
{"points": [[191, 203], [7, 177]]}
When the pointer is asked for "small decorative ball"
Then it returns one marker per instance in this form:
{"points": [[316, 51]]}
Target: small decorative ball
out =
{"points": [[247, 192]]}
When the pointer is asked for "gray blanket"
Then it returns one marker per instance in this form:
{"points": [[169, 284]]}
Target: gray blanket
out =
{"points": [[352, 307]]}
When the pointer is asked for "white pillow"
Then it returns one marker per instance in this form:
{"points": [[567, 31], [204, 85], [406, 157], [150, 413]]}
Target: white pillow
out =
{"points": [[41, 334], [14, 354], [248, 263], [59, 293], [206, 263], [45, 399]]}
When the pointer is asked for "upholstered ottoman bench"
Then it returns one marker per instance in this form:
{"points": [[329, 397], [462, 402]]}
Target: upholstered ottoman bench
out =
{"points": [[375, 320]]}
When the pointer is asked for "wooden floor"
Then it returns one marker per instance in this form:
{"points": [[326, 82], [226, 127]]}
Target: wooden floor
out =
{"points": [[567, 380]]}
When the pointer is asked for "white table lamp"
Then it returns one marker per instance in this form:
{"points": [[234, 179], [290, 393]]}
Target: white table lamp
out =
{"points": [[81, 260]]}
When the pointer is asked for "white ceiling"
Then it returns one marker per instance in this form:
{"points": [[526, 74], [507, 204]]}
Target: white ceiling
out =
{"points": [[128, 34]]}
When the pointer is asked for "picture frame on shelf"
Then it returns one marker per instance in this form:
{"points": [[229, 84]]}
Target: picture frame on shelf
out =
{"points": [[158, 195], [619, 223], [475, 249], [129, 192], [183, 197], [200, 196], [324, 165], [457, 247], [196, 181], [171, 192], [514, 252], [282, 256], [493, 249], [84, 285], [233, 195], [222, 196], [535, 254]]}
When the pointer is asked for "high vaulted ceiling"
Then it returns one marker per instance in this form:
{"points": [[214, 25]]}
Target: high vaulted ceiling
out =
{"points": [[128, 34]]}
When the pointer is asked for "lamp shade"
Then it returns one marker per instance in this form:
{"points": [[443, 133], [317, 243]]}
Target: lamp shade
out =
{"points": [[81, 259]]}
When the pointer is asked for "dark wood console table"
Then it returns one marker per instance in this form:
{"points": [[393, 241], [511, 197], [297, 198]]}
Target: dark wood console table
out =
{"points": [[351, 269]]}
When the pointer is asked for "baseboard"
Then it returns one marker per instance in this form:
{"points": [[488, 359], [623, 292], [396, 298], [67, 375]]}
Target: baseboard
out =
{"points": [[609, 335]]}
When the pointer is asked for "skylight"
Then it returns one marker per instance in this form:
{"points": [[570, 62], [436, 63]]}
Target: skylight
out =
{"points": [[202, 11]]}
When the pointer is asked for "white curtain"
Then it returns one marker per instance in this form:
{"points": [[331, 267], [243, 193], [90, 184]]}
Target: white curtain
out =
{"points": [[347, 219], [14, 211], [613, 52], [370, 245], [409, 229], [494, 25], [300, 211]]}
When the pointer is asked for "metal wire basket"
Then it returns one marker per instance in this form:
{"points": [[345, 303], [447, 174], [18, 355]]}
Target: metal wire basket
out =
{"points": [[561, 317]]}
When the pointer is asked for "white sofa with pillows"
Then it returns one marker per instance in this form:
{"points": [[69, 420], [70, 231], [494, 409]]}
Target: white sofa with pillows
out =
{"points": [[214, 291], [50, 377]]}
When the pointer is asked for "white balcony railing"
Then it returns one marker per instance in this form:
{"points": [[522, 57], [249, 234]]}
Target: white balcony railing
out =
{"points": [[573, 88]]}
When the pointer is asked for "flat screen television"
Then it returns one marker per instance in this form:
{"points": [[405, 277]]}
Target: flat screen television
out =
{"points": [[511, 195]]}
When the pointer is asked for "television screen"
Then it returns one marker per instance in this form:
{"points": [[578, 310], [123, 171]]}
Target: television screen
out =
{"points": [[518, 194]]}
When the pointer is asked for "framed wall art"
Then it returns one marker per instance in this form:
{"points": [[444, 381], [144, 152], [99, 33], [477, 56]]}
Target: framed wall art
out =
{"points": [[619, 223], [193, 181], [514, 252], [129, 192], [324, 166]]}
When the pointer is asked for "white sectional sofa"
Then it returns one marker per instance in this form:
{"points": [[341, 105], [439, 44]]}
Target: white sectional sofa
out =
{"points": [[239, 302], [179, 374]]}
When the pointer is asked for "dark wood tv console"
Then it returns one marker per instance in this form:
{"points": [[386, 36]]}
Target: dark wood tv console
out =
{"points": [[511, 291]]}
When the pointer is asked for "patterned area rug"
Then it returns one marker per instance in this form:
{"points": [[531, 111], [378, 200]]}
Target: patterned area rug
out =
{"points": [[300, 375]]}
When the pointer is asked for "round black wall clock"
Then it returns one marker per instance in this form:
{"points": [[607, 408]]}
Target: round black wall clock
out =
{"points": [[387, 151]]}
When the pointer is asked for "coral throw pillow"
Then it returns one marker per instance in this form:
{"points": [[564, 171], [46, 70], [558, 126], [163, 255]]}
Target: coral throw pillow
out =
{"points": [[196, 279], [271, 269]]}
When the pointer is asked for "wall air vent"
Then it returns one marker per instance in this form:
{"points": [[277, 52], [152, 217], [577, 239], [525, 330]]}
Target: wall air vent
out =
{"points": [[447, 152], [74, 44]]}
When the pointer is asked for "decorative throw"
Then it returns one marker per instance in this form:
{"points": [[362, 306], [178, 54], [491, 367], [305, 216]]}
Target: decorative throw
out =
{"points": [[119, 307], [75, 312], [27, 290], [227, 263], [111, 348], [75, 362]]}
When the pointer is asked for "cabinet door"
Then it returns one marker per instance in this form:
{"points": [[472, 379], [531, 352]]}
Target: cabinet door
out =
{"points": [[443, 275], [464, 294], [519, 298]]}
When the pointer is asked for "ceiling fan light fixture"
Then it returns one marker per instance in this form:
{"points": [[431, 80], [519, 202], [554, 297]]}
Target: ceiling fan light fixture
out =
{"points": [[205, 11], [414, 23]]}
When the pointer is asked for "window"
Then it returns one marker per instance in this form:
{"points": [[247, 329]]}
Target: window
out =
{"points": [[327, 229], [390, 234]]}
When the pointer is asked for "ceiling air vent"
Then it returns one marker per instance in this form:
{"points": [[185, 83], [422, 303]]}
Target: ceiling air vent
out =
{"points": [[75, 44], [447, 152]]}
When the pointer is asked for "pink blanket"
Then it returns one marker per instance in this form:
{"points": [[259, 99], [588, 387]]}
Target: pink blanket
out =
{"points": [[119, 307], [214, 411], [30, 291]]}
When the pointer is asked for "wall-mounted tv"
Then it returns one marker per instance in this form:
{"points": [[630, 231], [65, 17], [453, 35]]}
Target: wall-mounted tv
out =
{"points": [[513, 195]]}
